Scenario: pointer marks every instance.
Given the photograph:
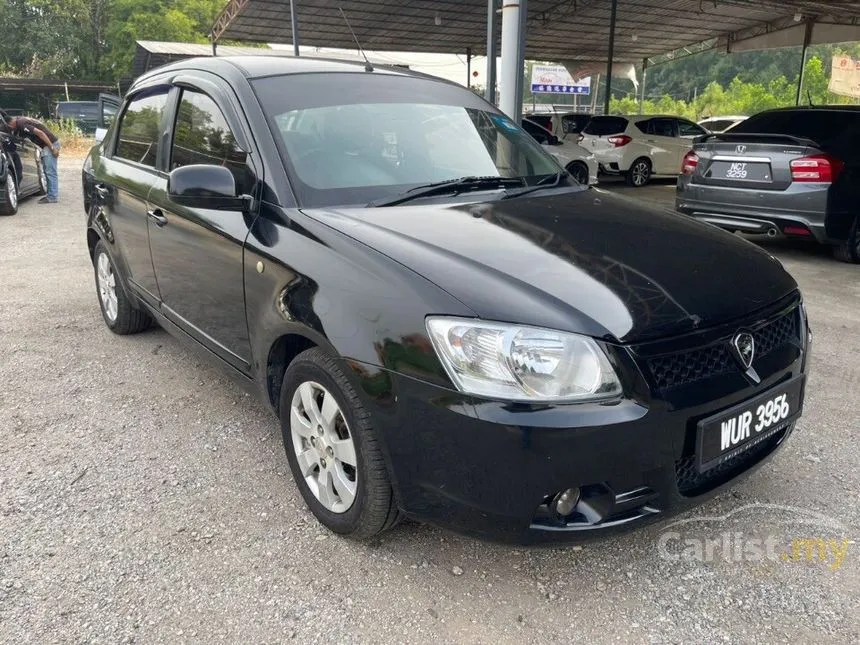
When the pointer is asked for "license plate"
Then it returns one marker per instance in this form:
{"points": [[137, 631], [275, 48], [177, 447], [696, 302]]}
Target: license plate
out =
{"points": [[736, 430], [741, 171]]}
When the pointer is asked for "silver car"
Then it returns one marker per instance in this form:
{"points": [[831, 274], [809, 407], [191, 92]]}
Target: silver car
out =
{"points": [[791, 172]]}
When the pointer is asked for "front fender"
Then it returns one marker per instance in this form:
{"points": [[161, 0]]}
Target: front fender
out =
{"points": [[303, 277]]}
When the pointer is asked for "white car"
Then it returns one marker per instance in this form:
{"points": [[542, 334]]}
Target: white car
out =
{"points": [[578, 161], [717, 124], [640, 147]]}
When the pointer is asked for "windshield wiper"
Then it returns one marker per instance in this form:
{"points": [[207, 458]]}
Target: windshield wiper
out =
{"points": [[550, 181], [455, 186]]}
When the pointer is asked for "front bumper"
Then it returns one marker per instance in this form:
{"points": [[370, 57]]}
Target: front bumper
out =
{"points": [[756, 211], [489, 468]]}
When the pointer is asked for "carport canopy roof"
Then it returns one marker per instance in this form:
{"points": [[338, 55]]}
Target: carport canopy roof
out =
{"points": [[569, 30]]}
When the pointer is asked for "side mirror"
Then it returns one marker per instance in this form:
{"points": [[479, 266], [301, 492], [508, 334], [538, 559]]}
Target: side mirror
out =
{"points": [[204, 186], [101, 133]]}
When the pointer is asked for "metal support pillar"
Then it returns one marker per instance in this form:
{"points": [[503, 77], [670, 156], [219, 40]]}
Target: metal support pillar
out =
{"points": [[492, 28], [807, 36], [294, 25], [611, 56], [468, 67], [511, 81], [214, 47], [644, 78]]}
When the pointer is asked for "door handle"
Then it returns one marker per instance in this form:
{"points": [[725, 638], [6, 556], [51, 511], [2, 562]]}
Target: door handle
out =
{"points": [[102, 191], [157, 216]]}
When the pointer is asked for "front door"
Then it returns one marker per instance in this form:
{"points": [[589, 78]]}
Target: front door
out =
{"points": [[197, 252], [25, 157]]}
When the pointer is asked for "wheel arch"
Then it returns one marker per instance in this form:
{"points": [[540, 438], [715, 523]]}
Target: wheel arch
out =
{"points": [[282, 353]]}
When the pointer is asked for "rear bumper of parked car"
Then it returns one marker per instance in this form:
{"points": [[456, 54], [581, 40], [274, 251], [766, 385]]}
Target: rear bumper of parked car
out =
{"points": [[799, 208], [489, 468]]}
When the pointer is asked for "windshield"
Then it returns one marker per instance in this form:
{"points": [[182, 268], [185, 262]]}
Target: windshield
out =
{"points": [[355, 138]]}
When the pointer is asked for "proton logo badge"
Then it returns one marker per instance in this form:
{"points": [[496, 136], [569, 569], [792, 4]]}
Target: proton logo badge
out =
{"points": [[743, 345], [741, 149]]}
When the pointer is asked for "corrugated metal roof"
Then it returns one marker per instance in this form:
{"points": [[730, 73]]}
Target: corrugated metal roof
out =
{"points": [[557, 30]]}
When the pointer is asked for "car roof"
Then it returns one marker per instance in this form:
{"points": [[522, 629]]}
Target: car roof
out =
{"points": [[261, 66], [813, 108]]}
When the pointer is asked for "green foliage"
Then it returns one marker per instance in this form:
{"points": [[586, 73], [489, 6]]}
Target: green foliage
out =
{"points": [[739, 96], [94, 39]]}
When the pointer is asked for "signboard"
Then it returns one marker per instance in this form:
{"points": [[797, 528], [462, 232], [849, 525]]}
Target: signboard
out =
{"points": [[555, 79], [845, 76]]}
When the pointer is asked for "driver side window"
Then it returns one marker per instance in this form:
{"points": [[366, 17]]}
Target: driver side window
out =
{"points": [[202, 136]]}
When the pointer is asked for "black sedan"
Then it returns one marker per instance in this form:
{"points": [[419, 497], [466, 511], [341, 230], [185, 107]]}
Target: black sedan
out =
{"points": [[21, 172], [447, 325]]}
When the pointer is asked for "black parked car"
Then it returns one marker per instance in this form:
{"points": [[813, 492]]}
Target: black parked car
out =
{"points": [[793, 172], [89, 116], [447, 327], [21, 172]]}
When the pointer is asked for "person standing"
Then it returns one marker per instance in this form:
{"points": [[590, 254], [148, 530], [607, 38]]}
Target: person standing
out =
{"points": [[38, 133]]}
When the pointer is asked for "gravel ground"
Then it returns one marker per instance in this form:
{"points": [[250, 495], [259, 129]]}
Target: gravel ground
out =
{"points": [[144, 497]]}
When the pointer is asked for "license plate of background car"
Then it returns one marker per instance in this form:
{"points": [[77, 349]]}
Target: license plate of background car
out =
{"points": [[741, 171]]}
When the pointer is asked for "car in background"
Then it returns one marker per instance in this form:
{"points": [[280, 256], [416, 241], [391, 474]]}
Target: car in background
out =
{"points": [[793, 172], [561, 124], [21, 173], [580, 163], [89, 116], [721, 123], [640, 147]]}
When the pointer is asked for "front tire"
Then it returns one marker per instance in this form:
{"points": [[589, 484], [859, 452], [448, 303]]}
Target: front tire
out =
{"points": [[849, 250], [639, 173], [333, 450], [117, 311], [9, 195]]}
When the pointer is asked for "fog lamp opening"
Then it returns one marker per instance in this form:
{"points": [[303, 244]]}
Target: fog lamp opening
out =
{"points": [[565, 502]]}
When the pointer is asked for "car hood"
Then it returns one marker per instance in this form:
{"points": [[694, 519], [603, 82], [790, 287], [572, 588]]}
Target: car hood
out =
{"points": [[584, 261]]}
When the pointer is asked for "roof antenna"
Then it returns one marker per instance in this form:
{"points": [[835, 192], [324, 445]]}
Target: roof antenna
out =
{"points": [[809, 97], [367, 66]]}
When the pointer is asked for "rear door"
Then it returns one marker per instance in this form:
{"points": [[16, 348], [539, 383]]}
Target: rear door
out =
{"points": [[661, 137], [126, 176], [26, 158]]}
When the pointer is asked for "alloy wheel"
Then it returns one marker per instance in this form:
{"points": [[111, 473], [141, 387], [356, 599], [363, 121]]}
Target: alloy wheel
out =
{"points": [[324, 447], [11, 191], [640, 173], [107, 287]]}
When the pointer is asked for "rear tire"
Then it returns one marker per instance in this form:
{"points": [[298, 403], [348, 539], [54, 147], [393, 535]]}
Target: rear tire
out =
{"points": [[849, 250], [352, 499], [118, 313], [639, 173], [9, 195], [579, 171]]}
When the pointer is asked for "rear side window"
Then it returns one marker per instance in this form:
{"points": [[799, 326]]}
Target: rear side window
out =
{"points": [[826, 127], [138, 130], [658, 127], [601, 126], [202, 136]]}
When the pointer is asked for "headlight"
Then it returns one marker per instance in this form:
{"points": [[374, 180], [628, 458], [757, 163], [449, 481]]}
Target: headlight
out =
{"points": [[517, 363]]}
